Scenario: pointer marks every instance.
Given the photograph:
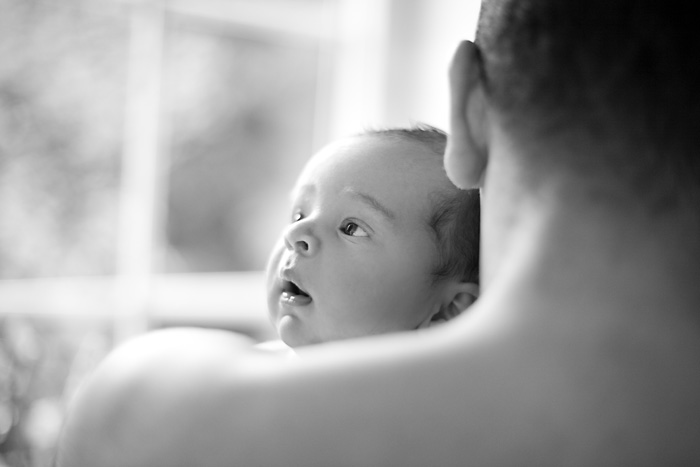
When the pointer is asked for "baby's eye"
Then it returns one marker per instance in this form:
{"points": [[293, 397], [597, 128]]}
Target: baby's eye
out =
{"points": [[353, 230], [297, 216]]}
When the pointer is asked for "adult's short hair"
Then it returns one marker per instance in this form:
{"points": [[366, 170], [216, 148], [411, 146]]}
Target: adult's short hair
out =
{"points": [[618, 76]]}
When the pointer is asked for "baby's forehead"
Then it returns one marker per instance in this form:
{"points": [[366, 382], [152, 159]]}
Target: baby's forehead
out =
{"points": [[398, 169], [359, 157]]}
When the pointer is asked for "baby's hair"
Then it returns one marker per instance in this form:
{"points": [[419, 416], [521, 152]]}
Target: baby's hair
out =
{"points": [[455, 215], [455, 220], [434, 138]]}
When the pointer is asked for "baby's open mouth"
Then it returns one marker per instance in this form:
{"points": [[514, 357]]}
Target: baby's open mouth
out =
{"points": [[292, 294], [293, 289]]}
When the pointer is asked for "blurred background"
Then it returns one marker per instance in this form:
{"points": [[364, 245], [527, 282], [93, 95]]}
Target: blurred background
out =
{"points": [[147, 149]]}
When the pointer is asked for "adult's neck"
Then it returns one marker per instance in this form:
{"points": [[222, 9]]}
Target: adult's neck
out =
{"points": [[556, 251]]}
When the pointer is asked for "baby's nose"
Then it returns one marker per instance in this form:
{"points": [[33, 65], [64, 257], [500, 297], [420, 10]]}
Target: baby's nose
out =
{"points": [[300, 238]]}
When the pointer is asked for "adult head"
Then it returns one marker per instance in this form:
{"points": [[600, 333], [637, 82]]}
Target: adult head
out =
{"points": [[592, 104]]}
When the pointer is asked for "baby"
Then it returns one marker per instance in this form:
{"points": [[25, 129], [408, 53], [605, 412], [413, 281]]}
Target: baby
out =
{"points": [[379, 241]]}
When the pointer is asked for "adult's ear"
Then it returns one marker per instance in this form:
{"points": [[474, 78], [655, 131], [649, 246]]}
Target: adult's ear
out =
{"points": [[466, 152], [458, 297]]}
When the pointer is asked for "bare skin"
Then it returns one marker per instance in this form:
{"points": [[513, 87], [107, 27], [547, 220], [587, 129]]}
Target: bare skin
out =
{"points": [[582, 350]]}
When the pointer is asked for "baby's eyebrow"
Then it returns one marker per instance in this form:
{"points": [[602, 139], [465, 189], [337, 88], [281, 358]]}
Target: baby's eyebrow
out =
{"points": [[372, 202]]}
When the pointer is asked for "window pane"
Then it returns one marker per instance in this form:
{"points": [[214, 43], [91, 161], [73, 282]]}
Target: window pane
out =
{"points": [[240, 109], [62, 83]]}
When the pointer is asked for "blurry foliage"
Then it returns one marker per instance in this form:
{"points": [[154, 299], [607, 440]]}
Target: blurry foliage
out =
{"points": [[41, 363], [62, 85]]}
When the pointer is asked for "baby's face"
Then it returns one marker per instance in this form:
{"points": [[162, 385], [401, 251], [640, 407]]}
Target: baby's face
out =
{"points": [[357, 256]]}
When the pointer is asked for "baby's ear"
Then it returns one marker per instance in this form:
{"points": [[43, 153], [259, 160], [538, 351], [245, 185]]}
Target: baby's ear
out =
{"points": [[459, 297]]}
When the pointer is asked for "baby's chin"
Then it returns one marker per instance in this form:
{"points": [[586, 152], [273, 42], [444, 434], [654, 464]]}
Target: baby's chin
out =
{"points": [[291, 331]]}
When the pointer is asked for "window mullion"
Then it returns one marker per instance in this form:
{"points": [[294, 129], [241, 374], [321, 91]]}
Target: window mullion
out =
{"points": [[142, 192]]}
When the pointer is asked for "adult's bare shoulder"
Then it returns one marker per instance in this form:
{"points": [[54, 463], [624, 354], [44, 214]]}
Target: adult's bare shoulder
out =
{"points": [[149, 393], [477, 392], [182, 398]]}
